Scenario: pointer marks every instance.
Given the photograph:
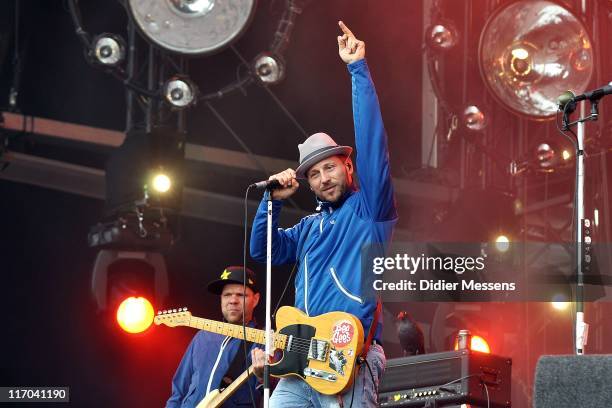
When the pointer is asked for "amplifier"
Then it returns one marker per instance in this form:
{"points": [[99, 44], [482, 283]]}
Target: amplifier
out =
{"points": [[446, 379]]}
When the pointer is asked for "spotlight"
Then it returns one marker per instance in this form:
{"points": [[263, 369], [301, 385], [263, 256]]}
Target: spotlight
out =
{"points": [[473, 118], [442, 36], [270, 69], [193, 27], [127, 283], [161, 183], [180, 92], [560, 306], [550, 156], [502, 243], [477, 343], [530, 52], [108, 50], [135, 314]]}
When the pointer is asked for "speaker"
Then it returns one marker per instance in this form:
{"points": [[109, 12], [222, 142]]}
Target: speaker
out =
{"points": [[573, 381]]}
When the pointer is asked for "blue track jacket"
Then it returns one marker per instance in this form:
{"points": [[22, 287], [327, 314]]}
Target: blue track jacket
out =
{"points": [[328, 246], [209, 353]]}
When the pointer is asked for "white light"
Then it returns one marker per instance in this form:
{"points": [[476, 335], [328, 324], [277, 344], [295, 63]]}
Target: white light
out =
{"points": [[162, 183], [502, 243], [561, 306], [520, 53], [596, 217]]}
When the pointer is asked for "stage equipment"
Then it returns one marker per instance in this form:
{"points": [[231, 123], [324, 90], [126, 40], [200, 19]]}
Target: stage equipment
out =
{"points": [[180, 92], [447, 378], [194, 27], [573, 381], [270, 69], [118, 275], [442, 36], [135, 314], [473, 118], [530, 52], [108, 50]]}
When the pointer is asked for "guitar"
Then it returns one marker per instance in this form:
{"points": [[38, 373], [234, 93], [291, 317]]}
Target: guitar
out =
{"points": [[322, 350], [215, 398]]}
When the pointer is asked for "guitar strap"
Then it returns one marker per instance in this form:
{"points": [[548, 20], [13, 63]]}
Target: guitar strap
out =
{"points": [[372, 331], [237, 366]]}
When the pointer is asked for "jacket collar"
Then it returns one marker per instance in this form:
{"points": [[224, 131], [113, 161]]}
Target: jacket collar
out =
{"points": [[326, 205]]}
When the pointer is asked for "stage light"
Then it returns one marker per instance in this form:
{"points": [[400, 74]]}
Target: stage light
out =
{"points": [[192, 27], [530, 52], [566, 155], [180, 92], [560, 306], [480, 344], [161, 183], [596, 217], [442, 36], [473, 118], [269, 69], [108, 50], [477, 343], [502, 243], [135, 314]]}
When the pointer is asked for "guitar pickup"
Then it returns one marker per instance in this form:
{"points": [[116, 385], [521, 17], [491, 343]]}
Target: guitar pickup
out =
{"points": [[320, 374], [318, 350]]}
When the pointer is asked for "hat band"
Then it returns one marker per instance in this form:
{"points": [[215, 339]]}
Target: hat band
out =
{"points": [[316, 152]]}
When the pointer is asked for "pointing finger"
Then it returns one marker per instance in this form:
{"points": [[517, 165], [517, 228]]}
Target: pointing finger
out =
{"points": [[345, 29]]}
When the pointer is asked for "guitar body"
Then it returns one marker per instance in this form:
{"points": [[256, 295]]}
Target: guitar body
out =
{"points": [[322, 350], [209, 400]]}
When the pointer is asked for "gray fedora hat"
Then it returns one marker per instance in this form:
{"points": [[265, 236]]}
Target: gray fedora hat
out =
{"points": [[316, 148]]}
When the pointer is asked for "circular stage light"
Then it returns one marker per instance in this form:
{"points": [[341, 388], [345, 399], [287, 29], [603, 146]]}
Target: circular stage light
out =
{"points": [[269, 69], [135, 314], [530, 52], [442, 36], [109, 50], [192, 27], [180, 92]]}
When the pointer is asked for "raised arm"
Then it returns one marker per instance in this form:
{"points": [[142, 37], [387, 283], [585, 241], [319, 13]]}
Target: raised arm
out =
{"points": [[370, 137]]}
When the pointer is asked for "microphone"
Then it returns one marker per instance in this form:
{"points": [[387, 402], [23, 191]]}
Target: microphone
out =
{"points": [[568, 96], [267, 184]]}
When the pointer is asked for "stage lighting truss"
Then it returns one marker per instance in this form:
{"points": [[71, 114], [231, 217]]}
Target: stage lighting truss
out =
{"points": [[530, 52], [192, 27]]}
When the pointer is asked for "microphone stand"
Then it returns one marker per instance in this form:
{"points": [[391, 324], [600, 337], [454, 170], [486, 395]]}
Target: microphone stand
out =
{"points": [[268, 334], [582, 224]]}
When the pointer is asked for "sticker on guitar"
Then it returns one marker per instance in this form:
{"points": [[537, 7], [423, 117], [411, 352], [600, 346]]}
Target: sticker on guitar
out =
{"points": [[342, 333]]}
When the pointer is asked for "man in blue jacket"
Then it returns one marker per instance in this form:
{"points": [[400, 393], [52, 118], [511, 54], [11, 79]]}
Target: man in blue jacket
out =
{"points": [[352, 220], [208, 358]]}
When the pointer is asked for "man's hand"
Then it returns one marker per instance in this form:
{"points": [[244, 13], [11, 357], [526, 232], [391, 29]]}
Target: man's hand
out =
{"points": [[288, 181], [257, 358], [350, 48]]}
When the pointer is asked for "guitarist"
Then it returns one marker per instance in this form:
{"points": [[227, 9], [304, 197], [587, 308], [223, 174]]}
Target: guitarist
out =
{"points": [[213, 361], [327, 246]]}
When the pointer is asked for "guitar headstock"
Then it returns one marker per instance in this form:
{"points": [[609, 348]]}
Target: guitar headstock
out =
{"points": [[173, 317]]}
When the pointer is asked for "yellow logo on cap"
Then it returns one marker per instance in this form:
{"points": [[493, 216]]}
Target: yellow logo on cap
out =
{"points": [[250, 281], [225, 274]]}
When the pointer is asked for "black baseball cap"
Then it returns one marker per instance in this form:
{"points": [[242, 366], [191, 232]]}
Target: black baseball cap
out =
{"points": [[233, 274]]}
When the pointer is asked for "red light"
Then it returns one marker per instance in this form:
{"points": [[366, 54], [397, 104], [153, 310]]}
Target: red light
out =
{"points": [[477, 344], [135, 314]]}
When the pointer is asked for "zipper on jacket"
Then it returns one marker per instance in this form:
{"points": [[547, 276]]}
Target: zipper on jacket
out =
{"points": [[212, 373], [306, 284], [342, 288]]}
